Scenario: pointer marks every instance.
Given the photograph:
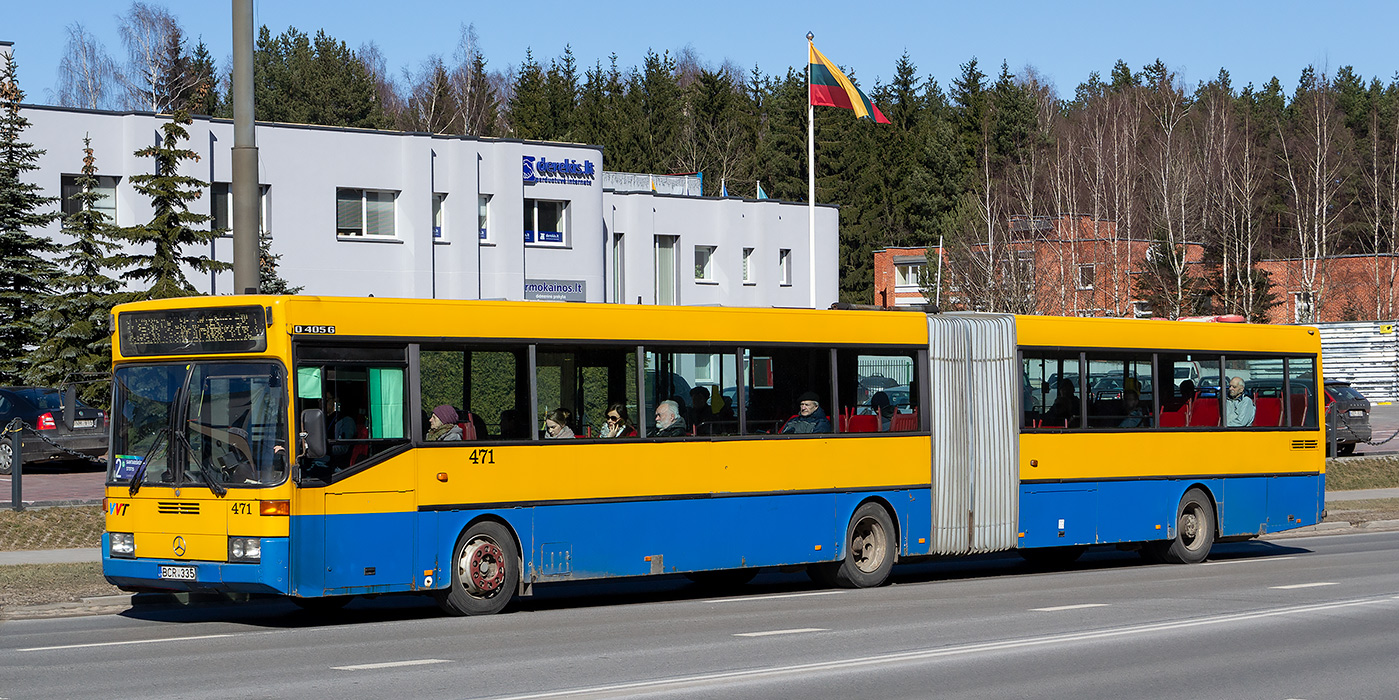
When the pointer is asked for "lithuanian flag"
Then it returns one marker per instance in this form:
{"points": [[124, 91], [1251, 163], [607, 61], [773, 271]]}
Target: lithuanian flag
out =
{"points": [[830, 88]]}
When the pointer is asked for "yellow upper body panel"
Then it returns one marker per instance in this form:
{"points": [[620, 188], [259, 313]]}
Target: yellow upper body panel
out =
{"points": [[1152, 334]]}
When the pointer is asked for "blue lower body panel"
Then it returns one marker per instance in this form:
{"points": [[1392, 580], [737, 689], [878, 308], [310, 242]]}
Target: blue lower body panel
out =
{"points": [[1106, 512], [269, 576]]}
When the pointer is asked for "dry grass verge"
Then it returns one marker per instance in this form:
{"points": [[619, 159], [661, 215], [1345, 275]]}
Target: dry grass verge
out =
{"points": [[1362, 473], [60, 527], [38, 584], [1363, 511]]}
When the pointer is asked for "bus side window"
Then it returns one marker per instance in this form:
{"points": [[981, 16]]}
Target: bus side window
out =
{"points": [[703, 382], [487, 386], [778, 377], [1120, 389], [878, 391], [1051, 384], [585, 383]]}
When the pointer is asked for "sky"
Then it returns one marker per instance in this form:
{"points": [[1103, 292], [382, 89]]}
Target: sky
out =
{"points": [[1062, 41]]}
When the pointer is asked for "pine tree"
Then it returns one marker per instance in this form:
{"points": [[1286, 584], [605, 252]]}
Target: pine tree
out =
{"points": [[78, 344], [303, 80], [529, 104], [25, 271], [561, 96], [171, 229], [203, 97]]}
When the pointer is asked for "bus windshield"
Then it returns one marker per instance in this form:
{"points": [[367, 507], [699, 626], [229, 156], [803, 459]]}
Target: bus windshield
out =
{"points": [[212, 423]]}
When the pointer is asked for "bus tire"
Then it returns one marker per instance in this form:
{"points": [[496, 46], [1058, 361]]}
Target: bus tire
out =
{"points": [[485, 571], [1195, 523], [1052, 557], [869, 548]]}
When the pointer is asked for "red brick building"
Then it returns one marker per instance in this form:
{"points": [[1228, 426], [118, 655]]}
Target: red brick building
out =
{"points": [[1344, 288], [1071, 265], [1065, 265]]}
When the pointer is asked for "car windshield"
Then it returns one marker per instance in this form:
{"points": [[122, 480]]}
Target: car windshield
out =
{"points": [[199, 423]]}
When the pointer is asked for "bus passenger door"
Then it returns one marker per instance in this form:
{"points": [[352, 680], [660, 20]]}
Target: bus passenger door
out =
{"points": [[366, 530]]}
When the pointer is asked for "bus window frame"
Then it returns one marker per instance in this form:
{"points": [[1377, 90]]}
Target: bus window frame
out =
{"points": [[1221, 356], [348, 346]]}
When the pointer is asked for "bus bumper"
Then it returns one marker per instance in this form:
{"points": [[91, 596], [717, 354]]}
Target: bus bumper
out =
{"points": [[269, 576]]}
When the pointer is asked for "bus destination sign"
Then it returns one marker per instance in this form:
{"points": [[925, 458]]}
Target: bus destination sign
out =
{"points": [[193, 331]]}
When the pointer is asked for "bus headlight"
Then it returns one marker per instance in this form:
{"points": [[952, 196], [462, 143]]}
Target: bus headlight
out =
{"points": [[121, 544], [245, 549]]}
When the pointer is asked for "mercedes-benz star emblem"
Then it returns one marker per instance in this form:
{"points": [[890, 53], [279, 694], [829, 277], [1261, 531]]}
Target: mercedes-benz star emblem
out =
{"points": [[179, 546]]}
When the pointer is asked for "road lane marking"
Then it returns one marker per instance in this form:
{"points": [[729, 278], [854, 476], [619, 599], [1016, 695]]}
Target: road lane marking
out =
{"points": [[769, 633], [1303, 585], [1247, 561], [708, 680], [775, 597], [1080, 606], [390, 664], [132, 641]]}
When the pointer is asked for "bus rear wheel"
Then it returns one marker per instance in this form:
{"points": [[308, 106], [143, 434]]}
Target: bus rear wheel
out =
{"points": [[1195, 523], [869, 549], [485, 571]]}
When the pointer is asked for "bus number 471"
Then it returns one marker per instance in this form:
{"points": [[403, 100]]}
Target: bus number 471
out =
{"points": [[482, 457]]}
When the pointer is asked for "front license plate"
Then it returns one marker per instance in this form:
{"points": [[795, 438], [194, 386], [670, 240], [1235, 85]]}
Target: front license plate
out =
{"points": [[182, 573], [1356, 413], [85, 423]]}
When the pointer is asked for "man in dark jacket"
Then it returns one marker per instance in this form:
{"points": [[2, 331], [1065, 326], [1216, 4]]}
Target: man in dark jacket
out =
{"points": [[668, 420], [810, 418]]}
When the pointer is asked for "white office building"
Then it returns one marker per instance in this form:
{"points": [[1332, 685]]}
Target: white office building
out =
{"points": [[357, 212]]}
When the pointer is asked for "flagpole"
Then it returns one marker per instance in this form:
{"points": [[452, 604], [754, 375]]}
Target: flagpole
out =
{"points": [[810, 174]]}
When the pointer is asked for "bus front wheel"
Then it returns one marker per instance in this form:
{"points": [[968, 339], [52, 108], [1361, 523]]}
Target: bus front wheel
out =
{"points": [[869, 549], [485, 571], [1194, 532]]}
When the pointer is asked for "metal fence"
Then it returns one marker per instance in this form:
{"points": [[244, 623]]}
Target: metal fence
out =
{"points": [[1366, 353]]}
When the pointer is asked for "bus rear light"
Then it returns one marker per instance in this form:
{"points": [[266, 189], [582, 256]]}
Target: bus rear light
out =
{"points": [[274, 507], [46, 422]]}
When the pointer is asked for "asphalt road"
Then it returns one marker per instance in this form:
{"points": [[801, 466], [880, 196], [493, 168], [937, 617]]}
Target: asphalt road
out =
{"points": [[1313, 617]]}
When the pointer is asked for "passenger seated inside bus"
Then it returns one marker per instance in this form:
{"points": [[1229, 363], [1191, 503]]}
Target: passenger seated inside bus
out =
{"points": [[511, 426], [669, 423], [810, 418], [442, 424], [1238, 405], [1065, 407], [884, 408], [618, 423], [556, 425], [1134, 414]]}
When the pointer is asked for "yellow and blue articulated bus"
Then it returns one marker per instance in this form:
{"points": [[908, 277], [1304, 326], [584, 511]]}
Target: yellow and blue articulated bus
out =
{"points": [[323, 448]]}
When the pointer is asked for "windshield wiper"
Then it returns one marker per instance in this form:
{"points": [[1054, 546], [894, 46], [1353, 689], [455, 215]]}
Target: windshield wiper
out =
{"points": [[139, 476], [204, 474]]}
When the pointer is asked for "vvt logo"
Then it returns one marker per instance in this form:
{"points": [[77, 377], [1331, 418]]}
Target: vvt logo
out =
{"points": [[560, 172]]}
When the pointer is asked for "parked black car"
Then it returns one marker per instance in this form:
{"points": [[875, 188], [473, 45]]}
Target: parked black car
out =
{"points": [[1348, 421], [42, 409]]}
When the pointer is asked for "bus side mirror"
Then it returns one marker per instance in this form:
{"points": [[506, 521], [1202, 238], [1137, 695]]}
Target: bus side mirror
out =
{"points": [[313, 433]]}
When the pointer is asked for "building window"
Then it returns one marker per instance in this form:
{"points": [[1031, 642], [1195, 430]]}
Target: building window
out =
{"points": [[364, 213], [222, 207], [546, 223], [483, 207], [437, 231], [107, 196], [784, 267], [704, 263], [619, 264], [1086, 276], [747, 266], [1303, 307], [908, 274], [665, 270]]}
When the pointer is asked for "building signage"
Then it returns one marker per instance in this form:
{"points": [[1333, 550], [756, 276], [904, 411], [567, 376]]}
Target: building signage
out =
{"points": [[556, 290], [558, 172], [544, 236]]}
